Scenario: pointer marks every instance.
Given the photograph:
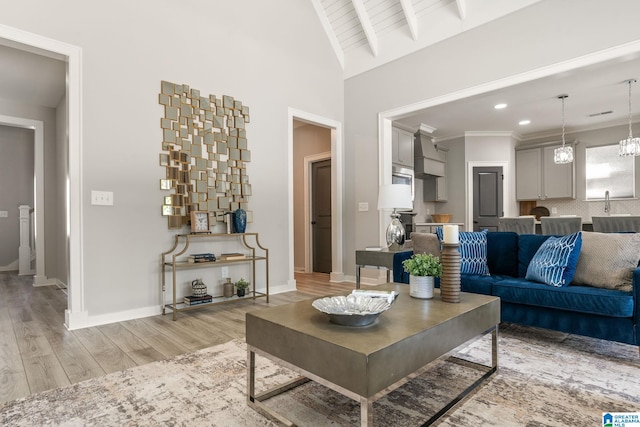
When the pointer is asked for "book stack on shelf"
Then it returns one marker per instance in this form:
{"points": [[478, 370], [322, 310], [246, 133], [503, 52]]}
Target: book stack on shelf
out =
{"points": [[191, 300], [208, 257], [232, 256]]}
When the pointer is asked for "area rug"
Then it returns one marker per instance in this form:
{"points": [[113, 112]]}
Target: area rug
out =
{"points": [[545, 379]]}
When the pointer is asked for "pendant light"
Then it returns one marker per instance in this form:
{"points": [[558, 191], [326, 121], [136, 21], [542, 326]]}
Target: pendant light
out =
{"points": [[563, 154], [630, 146]]}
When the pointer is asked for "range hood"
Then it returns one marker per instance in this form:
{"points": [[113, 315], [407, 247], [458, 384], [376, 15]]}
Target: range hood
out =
{"points": [[427, 161]]}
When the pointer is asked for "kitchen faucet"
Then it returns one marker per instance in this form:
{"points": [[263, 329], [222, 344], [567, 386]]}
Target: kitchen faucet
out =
{"points": [[607, 203]]}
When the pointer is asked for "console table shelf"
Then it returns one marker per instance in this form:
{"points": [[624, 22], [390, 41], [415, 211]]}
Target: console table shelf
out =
{"points": [[170, 262]]}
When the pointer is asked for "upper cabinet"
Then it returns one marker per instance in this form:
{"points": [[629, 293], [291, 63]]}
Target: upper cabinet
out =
{"points": [[539, 178], [435, 187], [402, 148]]}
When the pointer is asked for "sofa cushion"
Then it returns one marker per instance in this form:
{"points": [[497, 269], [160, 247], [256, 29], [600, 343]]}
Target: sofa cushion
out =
{"points": [[528, 245], [583, 299], [480, 283], [607, 260], [473, 251], [502, 253], [555, 261]]}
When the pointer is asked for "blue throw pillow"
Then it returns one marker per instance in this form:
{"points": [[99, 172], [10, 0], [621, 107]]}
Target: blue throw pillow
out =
{"points": [[473, 251], [555, 261]]}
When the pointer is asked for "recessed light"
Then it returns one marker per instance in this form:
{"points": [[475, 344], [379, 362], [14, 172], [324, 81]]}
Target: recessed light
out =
{"points": [[524, 122], [500, 106]]}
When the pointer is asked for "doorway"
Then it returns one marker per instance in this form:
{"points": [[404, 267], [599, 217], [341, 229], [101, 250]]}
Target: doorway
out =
{"points": [[321, 216], [487, 197], [71, 218], [300, 234]]}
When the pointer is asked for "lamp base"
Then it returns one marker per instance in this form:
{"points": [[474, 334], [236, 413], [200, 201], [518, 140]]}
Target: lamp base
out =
{"points": [[396, 234]]}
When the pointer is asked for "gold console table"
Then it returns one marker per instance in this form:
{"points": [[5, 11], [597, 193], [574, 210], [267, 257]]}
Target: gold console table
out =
{"points": [[170, 262]]}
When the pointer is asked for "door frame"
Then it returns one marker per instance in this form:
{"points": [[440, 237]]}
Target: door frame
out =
{"points": [[75, 314], [308, 207], [337, 186], [506, 187], [40, 279]]}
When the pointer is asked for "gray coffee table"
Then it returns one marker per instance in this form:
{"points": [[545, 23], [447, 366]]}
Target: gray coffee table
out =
{"points": [[366, 363]]}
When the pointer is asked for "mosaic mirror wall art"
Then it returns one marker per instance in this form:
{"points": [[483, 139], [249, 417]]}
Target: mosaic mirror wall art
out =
{"points": [[204, 154]]}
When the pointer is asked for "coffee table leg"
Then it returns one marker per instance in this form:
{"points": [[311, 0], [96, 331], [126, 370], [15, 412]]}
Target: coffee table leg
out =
{"points": [[366, 412]]}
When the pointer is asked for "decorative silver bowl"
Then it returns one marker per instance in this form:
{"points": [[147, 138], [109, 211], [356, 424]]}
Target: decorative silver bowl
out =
{"points": [[352, 310]]}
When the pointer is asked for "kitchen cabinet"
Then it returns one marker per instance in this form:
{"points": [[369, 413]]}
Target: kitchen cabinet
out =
{"points": [[402, 147], [434, 188], [539, 178]]}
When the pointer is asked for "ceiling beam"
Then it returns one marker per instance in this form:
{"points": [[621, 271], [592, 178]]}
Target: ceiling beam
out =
{"points": [[365, 22], [410, 15], [462, 8], [328, 29]]}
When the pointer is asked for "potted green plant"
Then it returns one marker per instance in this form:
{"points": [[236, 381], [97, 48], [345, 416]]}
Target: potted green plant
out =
{"points": [[422, 269], [241, 286]]}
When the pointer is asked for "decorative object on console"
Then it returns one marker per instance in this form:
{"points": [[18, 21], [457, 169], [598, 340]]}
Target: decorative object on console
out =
{"points": [[630, 146], [198, 288], [563, 154], [395, 196], [199, 222], [240, 220], [241, 286], [450, 258], [422, 269], [204, 153], [227, 288]]}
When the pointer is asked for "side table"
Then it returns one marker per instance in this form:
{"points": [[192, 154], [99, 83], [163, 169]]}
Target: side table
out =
{"points": [[377, 259]]}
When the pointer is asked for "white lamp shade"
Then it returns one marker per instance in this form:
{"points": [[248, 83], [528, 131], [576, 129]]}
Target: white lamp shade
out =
{"points": [[395, 196]]}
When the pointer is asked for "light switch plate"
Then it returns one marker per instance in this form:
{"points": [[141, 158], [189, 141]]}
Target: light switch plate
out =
{"points": [[363, 206], [4, 214], [102, 198]]}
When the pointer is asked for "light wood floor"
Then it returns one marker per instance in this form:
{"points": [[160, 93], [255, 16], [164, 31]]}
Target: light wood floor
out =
{"points": [[38, 353]]}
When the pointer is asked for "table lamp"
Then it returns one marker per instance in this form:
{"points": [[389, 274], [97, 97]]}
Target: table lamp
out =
{"points": [[395, 196]]}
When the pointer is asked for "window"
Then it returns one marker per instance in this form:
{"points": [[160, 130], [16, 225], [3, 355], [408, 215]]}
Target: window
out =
{"points": [[605, 170]]}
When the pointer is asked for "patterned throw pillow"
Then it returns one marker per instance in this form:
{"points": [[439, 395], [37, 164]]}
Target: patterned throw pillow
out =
{"points": [[473, 251], [555, 261]]}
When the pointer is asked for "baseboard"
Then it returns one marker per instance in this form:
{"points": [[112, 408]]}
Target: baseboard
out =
{"points": [[338, 277], [45, 281], [10, 267], [84, 320]]}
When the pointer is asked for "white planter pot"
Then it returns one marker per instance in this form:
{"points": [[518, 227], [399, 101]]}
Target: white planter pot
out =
{"points": [[421, 286]]}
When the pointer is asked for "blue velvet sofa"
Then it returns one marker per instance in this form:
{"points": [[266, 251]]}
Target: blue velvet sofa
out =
{"points": [[584, 310]]}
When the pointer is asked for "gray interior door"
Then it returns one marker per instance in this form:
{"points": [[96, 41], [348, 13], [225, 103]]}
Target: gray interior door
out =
{"points": [[321, 215], [487, 197]]}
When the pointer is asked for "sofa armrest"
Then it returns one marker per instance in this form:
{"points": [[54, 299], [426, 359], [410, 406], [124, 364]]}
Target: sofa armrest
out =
{"points": [[399, 275], [636, 299]]}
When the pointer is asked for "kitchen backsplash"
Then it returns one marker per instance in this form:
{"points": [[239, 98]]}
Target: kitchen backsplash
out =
{"points": [[586, 210]]}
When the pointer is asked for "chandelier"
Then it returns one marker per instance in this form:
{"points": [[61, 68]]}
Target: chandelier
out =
{"points": [[563, 154], [629, 146]]}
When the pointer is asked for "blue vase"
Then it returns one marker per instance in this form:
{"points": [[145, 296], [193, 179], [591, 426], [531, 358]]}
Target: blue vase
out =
{"points": [[240, 220]]}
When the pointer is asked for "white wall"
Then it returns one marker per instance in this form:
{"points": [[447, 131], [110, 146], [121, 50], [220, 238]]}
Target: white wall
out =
{"points": [[542, 35], [271, 56]]}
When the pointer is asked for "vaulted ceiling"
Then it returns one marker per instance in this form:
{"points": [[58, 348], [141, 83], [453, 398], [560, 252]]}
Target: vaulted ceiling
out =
{"points": [[368, 33]]}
